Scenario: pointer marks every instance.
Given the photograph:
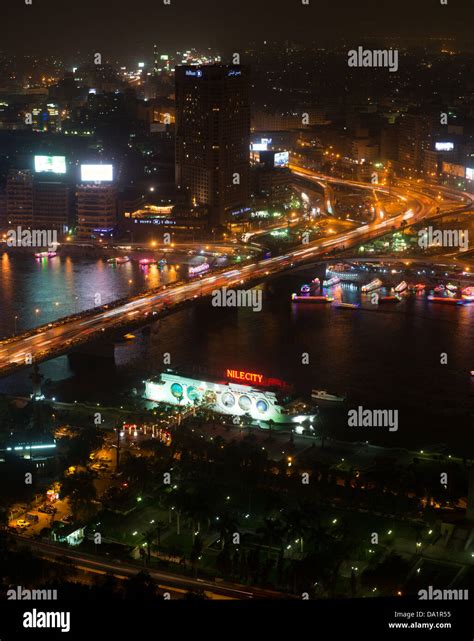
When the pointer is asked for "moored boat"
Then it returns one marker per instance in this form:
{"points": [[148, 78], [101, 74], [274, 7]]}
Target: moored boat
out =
{"points": [[373, 285], [401, 287], [446, 301], [340, 305], [323, 395], [311, 299]]}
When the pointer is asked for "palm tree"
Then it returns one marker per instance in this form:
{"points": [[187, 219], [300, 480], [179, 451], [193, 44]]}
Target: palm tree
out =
{"points": [[272, 531], [159, 527], [149, 537]]}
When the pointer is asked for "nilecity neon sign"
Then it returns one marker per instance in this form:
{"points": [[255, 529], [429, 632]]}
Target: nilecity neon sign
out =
{"points": [[250, 377]]}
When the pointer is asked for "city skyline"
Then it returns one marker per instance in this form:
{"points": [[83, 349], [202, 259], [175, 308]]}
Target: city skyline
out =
{"points": [[236, 320]]}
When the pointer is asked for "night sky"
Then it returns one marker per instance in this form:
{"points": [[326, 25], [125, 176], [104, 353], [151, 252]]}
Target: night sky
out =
{"points": [[123, 27]]}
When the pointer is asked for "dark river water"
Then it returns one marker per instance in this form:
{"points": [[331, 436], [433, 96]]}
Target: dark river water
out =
{"points": [[384, 357]]}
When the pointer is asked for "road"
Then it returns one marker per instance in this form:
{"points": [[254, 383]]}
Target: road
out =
{"points": [[165, 580], [60, 337]]}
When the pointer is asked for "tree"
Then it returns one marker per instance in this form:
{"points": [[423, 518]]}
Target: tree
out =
{"points": [[80, 490], [80, 447], [228, 524], [140, 587], [137, 470], [272, 531]]}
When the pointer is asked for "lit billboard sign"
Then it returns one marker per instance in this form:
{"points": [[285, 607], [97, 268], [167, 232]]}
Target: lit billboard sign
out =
{"points": [[52, 164], [96, 173], [260, 146], [469, 173], [444, 146], [194, 74], [282, 159]]}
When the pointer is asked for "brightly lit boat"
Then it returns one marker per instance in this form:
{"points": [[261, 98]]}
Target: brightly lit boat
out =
{"points": [[419, 287], [468, 294], [373, 285], [144, 262], [323, 395], [346, 305], [446, 301], [119, 260], [250, 401], [400, 287], [45, 254], [311, 299], [195, 270], [331, 282]]}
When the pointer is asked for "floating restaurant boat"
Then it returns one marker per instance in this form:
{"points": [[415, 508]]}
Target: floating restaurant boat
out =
{"points": [[311, 299], [446, 301], [373, 285], [45, 254], [388, 299], [331, 282], [347, 305], [401, 287], [229, 398]]}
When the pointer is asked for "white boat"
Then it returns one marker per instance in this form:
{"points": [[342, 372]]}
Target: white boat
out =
{"points": [[230, 398], [401, 287], [370, 287], [322, 395]]}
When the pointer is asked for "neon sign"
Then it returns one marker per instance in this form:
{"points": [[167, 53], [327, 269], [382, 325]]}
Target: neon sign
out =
{"points": [[250, 377]]}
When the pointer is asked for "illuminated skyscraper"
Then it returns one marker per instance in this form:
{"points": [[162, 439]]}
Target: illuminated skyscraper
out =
{"points": [[213, 138]]}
